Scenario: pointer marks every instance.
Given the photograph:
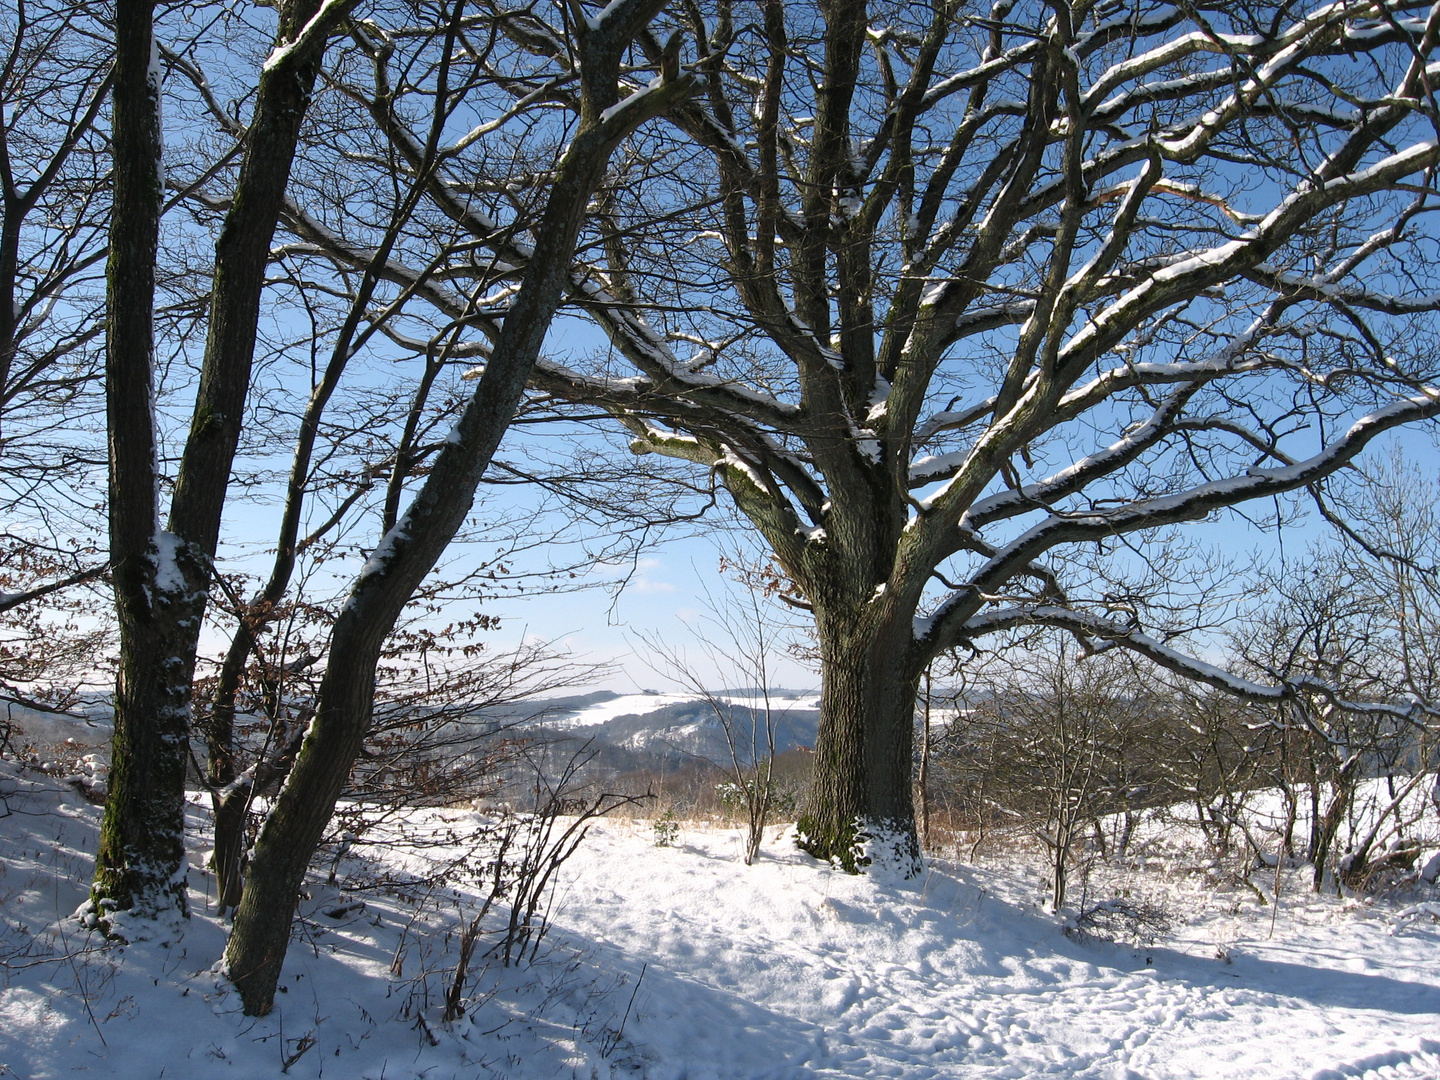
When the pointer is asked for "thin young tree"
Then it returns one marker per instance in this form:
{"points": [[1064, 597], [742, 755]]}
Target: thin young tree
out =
{"points": [[740, 638]]}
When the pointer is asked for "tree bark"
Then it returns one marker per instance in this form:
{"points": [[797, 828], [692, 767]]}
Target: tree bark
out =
{"points": [[860, 807], [140, 863], [241, 256], [923, 779], [256, 950], [1327, 827]]}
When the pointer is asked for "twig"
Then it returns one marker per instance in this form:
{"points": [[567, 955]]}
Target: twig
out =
{"points": [[1279, 862], [302, 1044], [611, 1042]]}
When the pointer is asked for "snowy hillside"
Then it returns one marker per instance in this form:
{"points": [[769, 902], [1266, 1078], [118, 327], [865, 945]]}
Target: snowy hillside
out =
{"points": [[676, 727], [680, 962]]}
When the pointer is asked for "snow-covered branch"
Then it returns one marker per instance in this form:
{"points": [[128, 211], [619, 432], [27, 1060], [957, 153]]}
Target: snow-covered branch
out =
{"points": [[1188, 505], [1120, 635]]}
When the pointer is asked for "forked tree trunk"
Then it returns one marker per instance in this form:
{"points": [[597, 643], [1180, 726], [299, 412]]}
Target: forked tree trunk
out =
{"points": [[860, 806], [1328, 826], [162, 580]]}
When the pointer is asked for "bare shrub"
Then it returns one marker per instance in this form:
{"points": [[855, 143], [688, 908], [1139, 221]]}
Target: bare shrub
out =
{"points": [[1054, 746], [1122, 921], [744, 637]]}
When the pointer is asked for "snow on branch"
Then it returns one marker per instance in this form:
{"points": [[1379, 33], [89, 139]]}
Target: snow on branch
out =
{"points": [[311, 36], [324, 241], [1231, 361], [1321, 287], [1189, 505], [1200, 500], [633, 335], [1185, 278], [953, 418], [1114, 634], [1077, 475]]}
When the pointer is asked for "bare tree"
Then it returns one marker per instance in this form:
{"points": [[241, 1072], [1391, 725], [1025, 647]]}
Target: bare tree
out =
{"points": [[1063, 742], [162, 577], [1393, 550], [1359, 616], [1218, 755], [1318, 625], [55, 75], [990, 299]]}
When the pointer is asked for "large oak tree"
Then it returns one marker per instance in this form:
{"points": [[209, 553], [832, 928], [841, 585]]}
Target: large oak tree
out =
{"points": [[963, 306]]}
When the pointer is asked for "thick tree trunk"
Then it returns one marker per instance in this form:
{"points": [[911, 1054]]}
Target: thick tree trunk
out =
{"points": [[860, 808], [140, 864]]}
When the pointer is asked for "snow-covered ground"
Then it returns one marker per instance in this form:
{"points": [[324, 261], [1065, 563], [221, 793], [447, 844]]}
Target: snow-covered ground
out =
{"points": [[681, 962]]}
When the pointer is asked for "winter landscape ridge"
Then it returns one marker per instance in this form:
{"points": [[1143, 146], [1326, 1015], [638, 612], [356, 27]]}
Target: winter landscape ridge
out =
{"points": [[678, 961]]}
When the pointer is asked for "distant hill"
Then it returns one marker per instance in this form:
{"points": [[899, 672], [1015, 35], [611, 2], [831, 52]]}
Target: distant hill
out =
{"points": [[670, 729]]}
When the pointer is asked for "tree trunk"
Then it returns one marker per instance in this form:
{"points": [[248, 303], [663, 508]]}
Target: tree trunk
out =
{"points": [[1059, 858], [297, 821], [140, 864], [924, 777], [1328, 825], [860, 808]]}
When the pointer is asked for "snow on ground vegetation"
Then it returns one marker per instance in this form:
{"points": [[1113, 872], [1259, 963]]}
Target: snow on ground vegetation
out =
{"points": [[677, 961]]}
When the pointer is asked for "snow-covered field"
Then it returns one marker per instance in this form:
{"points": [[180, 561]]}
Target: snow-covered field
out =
{"points": [[603, 712], [680, 962]]}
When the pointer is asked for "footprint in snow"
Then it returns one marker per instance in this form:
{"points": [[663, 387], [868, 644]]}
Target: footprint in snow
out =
{"points": [[1422, 1063]]}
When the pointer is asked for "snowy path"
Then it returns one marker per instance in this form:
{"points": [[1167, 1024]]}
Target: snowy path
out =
{"points": [[791, 971]]}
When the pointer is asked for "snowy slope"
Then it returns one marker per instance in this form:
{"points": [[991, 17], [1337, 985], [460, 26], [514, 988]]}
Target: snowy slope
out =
{"points": [[672, 729], [680, 962]]}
